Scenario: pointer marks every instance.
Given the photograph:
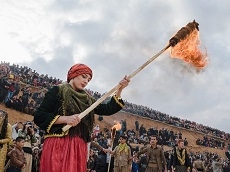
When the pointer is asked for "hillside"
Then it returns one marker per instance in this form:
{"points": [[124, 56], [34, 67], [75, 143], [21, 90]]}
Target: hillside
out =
{"points": [[15, 116]]}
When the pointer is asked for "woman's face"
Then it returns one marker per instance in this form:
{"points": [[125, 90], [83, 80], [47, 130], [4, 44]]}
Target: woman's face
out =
{"points": [[80, 82]]}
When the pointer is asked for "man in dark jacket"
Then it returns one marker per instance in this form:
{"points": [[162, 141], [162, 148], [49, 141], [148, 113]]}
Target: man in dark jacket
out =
{"points": [[181, 161]]}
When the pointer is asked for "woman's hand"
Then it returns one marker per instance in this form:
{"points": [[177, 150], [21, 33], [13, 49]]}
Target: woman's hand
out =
{"points": [[123, 83], [72, 120]]}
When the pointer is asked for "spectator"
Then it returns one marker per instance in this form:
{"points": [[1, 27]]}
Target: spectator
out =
{"points": [[27, 132], [122, 155], [142, 164], [17, 159], [5, 137], [30, 108], [181, 160], [91, 164], [18, 104], [137, 125], [4, 88], [226, 151], [216, 164], [15, 129], [156, 159], [198, 165], [185, 142], [25, 96], [36, 159]]}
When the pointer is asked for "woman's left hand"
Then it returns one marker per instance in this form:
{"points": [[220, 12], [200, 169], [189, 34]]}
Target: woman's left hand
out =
{"points": [[124, 82]]}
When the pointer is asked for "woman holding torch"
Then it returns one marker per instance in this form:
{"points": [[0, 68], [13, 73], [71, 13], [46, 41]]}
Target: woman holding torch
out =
{"points": [[67, 150]]}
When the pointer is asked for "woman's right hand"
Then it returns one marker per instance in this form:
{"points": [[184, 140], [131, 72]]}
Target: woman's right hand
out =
{"points": [[72, 120]]}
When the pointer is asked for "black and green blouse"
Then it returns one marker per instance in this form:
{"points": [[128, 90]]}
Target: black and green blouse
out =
{"points": [[63, 100]]}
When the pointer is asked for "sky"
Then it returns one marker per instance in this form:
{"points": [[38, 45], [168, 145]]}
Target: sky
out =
{"points": [[115, 38]]}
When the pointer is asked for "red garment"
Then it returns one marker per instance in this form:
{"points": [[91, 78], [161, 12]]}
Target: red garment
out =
{"points": [[64, 154]]}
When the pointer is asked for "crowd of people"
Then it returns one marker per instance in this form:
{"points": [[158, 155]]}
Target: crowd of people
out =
{"points": [[16, 92], [172, 120], [210, 142], [99, 155]]}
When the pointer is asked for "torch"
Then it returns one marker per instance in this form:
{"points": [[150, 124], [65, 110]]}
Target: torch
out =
{"points": [[181, 35], [113, 134]]}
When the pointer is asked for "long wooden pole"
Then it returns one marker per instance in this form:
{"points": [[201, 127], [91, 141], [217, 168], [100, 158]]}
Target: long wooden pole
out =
{"points": [[112, 141], [100, 100], [94, 105], [180, 35]]}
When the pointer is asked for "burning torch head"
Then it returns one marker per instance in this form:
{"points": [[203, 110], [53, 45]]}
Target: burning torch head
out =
{"points": [[184, 32], [185, 45]]}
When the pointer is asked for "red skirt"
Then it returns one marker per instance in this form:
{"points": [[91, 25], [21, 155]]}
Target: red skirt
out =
{"points": [[64, 154]]}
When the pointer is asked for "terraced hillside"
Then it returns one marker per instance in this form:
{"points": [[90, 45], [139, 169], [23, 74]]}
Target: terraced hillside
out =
{"points": [[15, 116]]}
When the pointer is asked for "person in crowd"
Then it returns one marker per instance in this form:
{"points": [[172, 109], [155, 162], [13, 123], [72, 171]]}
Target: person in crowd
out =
{"points": [[216, 164], [10, 93], [181, 161], [185, 142], [10, 103], [122, 156], [226, 167], [4, 86], [36, 159], [30, 108], [155, 156], [167, 155], [26, 94], [135, 164], [101, 165], [17, 159], [142, 163], [5, 137], [226, 151], [91, 163], [18, 106], [15, 129], [198, 165], [137, 125], [62, 105], [27, 132], [17, 89]]}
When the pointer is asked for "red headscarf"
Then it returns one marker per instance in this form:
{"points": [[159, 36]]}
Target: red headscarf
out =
{"points": [[78, 69]]}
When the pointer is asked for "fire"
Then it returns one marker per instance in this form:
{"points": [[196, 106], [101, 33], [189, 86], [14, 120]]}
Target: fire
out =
{"points": [[116, 125], [188, 51]]}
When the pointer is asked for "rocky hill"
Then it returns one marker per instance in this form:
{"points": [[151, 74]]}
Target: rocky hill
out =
{"points": [[15, 116]]}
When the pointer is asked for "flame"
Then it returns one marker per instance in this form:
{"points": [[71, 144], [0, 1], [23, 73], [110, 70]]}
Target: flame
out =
{"points": [[188, 51], [116, 125]]}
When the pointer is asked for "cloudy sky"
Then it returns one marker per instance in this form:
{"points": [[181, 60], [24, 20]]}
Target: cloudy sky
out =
{"points": [[115, 38]]}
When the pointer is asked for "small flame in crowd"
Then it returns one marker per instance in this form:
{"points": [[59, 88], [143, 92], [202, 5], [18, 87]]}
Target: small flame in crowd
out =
{"points": [[116, 125], [188, 51]]}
